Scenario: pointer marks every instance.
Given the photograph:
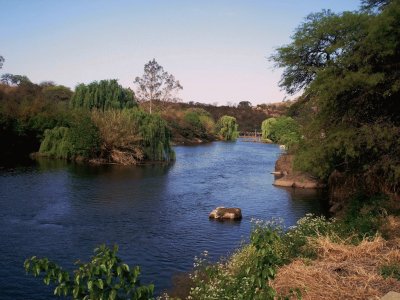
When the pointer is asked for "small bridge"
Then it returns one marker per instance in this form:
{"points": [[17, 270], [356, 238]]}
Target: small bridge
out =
{"points": [[250, 136]]}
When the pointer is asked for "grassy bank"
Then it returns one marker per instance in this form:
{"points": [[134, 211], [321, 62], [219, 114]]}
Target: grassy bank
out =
{"points": [[355, 256]]}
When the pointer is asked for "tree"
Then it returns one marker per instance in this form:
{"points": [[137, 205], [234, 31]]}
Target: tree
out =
{"points": [[106, 276], [11, 79], [56, 93], [348, 65], [370, 5], [319, 42], [227, 128], [1, 61], [103, 95], [266, 129], [156, 84], [284, 130], [244, 104]]}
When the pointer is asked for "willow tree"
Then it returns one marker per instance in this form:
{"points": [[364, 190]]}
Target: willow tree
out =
{"points": [[131, 136], [227, 128], [156, 85], [266, 129], [103, 95]]}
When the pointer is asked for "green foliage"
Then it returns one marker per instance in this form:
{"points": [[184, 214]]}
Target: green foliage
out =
{"points": [[364, 216], [57, 93], [347, 64], [266, 128], [102, 95], [155, 136], [56, 143], [282, 130], [82, 139], [391, 270], [13, 79], [106, 276], [265, 238], [297, 237], [84, 136], [199, 122], [247, 273], [131, 135], [227, 128], [371, 150]]}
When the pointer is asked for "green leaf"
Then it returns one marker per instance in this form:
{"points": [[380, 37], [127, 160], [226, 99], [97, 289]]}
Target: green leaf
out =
{"points": [[100, 283], [90, 285], [113, 295]]}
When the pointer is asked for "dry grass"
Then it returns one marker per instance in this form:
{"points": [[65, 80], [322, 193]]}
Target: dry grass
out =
{"points": [[341, 271]]}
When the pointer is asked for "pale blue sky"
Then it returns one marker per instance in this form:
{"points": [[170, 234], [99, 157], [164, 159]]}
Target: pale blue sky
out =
{"points": [[217, 49]]}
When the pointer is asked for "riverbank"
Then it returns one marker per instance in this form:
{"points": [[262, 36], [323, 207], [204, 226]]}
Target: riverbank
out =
{"points": [[286, 176], [355, 257]]}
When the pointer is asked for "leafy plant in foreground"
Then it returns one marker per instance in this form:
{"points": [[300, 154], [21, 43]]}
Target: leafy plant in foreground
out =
{"points": [[106, 276]]}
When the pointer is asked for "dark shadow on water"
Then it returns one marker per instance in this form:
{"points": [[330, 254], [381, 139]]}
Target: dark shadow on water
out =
{"points": [[314, 197], [84, 170]]}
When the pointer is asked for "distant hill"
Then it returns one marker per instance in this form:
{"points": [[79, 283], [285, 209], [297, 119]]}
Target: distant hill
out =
{"points": [[248, 117]]}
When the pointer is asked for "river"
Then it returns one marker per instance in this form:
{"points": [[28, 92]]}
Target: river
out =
{"points": [[157, 214]]}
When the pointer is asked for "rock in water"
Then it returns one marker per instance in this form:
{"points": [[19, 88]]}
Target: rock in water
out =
{"points": [[226, 213]]}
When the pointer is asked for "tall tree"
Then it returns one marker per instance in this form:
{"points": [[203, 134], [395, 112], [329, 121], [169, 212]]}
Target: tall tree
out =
{"points": [[157, 84], [11, 79], [348, 64], [1, 61]]}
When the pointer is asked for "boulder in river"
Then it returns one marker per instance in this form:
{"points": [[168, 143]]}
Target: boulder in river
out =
{"points": [[226, 213]]}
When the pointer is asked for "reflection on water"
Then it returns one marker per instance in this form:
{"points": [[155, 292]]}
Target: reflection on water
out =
{"points": [[157, 214]]}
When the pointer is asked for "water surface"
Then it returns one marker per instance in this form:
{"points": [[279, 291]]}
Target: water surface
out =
{"points": [[158, 215]]}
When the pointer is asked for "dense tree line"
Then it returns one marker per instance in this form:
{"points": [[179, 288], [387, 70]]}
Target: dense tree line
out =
{"points": [[348, 65]]}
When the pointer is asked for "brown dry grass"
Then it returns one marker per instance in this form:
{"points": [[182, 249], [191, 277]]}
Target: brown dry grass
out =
{"points": [[341, 271]]}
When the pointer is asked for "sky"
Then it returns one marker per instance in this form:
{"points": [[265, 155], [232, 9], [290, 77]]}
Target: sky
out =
{"points": [[217, 49]]}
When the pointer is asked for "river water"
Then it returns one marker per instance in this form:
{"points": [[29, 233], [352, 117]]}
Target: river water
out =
{"points": [[158, 215]]}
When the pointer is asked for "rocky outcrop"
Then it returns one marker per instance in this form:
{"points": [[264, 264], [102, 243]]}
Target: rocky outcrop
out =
{"points": [[298, 181], [286, 177], [226, 213]]}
